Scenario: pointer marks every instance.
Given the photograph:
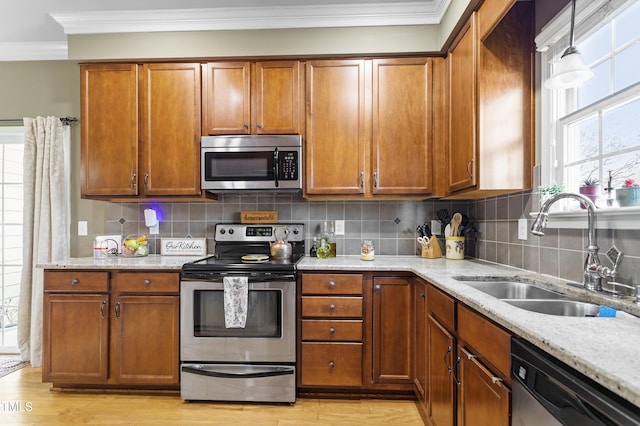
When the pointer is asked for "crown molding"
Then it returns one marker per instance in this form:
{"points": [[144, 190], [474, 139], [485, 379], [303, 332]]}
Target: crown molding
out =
{"points": [[34, 51], [251, 18]]}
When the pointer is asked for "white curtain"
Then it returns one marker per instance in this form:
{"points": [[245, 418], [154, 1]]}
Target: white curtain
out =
{"points": [[46, 230]]}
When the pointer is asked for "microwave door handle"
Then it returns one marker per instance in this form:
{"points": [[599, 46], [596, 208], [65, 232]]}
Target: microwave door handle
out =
{"points": [[276, 167]]}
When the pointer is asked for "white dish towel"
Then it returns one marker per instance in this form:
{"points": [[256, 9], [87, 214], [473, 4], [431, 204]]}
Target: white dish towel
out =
{"points": [[236, 293]]}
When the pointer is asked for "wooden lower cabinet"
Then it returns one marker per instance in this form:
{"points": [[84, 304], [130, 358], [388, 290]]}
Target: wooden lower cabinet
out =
{"points": [[441, 381], [331, 364], [420, 338], [111, 329], [483, 398]]}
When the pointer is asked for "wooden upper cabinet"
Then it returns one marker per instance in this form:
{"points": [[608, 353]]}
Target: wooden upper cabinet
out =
{"points": [[401, 143], [109, 118], [170, 129], [276, 93], [251, 98], [490, 14], [461, 153], [336, 135], [226, 104]]}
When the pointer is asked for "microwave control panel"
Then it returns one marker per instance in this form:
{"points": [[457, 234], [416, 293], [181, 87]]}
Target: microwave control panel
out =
{"points": [[288, 165]]}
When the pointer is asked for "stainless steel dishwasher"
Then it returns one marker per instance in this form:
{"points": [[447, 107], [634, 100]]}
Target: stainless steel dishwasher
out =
{"points": [[548, 392]]}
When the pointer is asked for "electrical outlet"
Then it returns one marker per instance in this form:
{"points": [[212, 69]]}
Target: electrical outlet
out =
{"points": [[523, 228], [339, 227], [82, 227]]}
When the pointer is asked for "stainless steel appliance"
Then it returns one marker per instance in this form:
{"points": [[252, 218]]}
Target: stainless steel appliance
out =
{"points": [[251, 363], [548, 392], [248, 163]]}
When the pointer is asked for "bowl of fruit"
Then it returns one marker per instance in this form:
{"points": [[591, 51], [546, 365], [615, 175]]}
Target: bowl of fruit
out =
{"points": [[135, 246]]}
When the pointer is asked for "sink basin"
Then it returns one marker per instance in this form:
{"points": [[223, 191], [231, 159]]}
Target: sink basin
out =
{"points": [[514, 290], [566, 308]]}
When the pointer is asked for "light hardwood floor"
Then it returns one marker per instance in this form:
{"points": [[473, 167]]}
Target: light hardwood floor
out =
{"points": [[24, 390]]}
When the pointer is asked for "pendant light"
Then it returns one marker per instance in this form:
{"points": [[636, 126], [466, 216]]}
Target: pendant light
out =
{"points": [[570, 70]]}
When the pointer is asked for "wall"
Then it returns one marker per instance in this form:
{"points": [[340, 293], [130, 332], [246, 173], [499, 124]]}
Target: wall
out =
{"points": [[560, 252], [390, 224]]}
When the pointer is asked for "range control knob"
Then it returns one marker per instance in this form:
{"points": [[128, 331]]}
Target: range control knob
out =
{"points": [[222, 231], [296, 231], [230, 231]]}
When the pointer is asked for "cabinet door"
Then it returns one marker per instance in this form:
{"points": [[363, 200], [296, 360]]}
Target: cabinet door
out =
{"points": [[392, 330], [170, 129], [335, 127], [109, 116], [420, 337], [401, 111], [145, 339], [276, 93], [483, 399], [226, 102], [442, 363], [75, 338], [462, 109]]}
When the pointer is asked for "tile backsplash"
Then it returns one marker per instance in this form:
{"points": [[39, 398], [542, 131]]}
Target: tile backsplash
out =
{"points": [[392, 227]]}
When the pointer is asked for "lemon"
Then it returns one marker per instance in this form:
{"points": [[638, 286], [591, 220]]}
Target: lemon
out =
{"points": [[323, 252]]}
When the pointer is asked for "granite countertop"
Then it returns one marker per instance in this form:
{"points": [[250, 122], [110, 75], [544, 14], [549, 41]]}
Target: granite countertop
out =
{"points": [[604, 349]]}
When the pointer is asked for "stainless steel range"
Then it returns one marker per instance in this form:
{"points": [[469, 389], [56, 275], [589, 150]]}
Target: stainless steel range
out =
{"points": [[237, 317]]}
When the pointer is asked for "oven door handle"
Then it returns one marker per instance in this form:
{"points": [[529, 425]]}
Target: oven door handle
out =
{"points": [[252, 374]]}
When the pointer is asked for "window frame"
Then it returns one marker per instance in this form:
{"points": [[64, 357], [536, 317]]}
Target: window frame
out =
{"points": [[551, 41]]}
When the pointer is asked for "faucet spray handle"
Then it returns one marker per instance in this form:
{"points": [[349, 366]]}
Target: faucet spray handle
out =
{"points": [[615, 256]]}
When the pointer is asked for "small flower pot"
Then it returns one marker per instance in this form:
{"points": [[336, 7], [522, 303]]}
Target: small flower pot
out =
{"points": [[628, 196], [591, 192]]}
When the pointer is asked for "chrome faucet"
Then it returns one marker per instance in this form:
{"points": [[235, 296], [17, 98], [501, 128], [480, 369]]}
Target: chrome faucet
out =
{"points": [[593, 271]]}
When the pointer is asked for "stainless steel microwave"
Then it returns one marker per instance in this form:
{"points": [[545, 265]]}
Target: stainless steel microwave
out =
{"points": [[251, 163]]}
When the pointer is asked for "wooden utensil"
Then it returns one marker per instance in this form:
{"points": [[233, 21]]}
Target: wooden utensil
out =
{"points": [[455, 223]]}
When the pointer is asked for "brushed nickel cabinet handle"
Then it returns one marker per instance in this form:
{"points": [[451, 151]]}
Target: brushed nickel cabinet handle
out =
{"points": [[444, 359], [103, 307], [375, 179], [361, 180], [117, 310], [133, 180], [469, 171], [454, 372], [146, 180]]}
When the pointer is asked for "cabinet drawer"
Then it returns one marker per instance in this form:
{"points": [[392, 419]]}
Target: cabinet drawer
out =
{"points": [[441, 306], [491, 343], [337, 307], [72, 281], [146, 282], [332, 284], [332, 330], [331, 364]]}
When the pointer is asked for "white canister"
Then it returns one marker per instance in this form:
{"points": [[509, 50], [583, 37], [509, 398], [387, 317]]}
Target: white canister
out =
{"points": [[100, 249], [454, 248]]}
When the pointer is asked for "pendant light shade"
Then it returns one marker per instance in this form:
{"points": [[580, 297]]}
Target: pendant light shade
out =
{"points": [[570, 70]]}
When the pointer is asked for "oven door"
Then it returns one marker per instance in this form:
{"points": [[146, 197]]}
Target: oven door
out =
{"points": [[269, 333]]}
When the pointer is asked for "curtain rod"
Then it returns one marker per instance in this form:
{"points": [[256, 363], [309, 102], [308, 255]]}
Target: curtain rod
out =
{"points": [[66, 121]]}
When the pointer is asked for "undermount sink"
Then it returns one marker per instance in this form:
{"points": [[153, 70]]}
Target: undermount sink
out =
{"points": [[528, 296], [565, 308], [514, 290]]}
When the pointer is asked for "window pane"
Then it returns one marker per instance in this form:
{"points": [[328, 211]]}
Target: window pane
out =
{"points": [[576, 175], [626, 25], [596, 46], [596, 88], [582, 140], [627, 65], [623, 167], [621, 127]]}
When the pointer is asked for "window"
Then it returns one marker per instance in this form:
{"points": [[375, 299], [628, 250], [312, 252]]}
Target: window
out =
{"points": [[11, 201], [593, 131]]}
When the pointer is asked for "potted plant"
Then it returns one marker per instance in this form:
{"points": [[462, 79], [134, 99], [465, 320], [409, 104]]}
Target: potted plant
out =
{"points": [[629, 194], [589, 188]]}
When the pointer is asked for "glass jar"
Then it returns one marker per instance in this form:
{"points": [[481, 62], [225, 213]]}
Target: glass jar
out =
{"points": [[367, 250], [328, 237]]}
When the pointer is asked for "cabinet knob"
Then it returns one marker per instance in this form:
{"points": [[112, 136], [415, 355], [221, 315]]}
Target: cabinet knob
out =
{"points": [[259, 125], [331, 364], [332, 307], [74, 281], [147, 282], [422, 295], [332, 330], [332, 284], [245, 124]]}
